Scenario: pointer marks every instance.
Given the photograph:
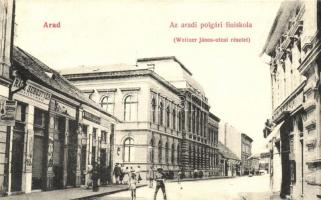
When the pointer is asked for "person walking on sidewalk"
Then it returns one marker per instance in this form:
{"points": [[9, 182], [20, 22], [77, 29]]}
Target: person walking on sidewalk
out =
{"points": [[95, 177], [132, 184], [160, 183], [117, 173], [179, 174], [151, 176]]}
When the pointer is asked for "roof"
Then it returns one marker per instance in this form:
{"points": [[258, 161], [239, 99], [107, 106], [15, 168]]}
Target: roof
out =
{"points": [[134, 72], [165, 58], [226, 152], [214, 117], [37, 70], [176, 77], [98, 68], [279, 25], [247, 137]]}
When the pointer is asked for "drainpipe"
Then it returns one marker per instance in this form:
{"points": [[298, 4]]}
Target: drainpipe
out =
{"points": [[10, 95]]}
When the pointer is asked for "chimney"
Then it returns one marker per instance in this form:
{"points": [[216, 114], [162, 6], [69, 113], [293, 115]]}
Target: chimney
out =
{"points": [[6, 40]]}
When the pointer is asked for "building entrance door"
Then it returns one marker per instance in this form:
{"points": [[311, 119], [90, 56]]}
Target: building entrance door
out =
{"points": [[38, 159], [58, 152], [17, 157], [72, 154]]}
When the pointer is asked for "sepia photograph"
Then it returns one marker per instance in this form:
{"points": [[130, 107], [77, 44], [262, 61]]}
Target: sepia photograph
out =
{"points": [[160, 99]]}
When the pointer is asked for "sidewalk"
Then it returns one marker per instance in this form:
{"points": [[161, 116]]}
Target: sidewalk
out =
{"points": [[72, 193]]}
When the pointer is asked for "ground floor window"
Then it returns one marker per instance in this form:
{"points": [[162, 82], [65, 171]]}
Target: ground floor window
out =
{"points": [[128, 150]]}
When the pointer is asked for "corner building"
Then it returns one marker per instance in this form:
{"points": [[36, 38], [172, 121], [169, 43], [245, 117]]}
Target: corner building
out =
{"points": [[294, 47], [58, 132], [164, 117]]}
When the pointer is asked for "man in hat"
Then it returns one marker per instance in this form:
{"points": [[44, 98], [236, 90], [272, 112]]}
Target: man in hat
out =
{"points": [[160, 182]]}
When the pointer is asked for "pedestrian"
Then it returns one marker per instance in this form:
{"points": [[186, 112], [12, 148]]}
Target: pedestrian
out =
{"points": [[126, 176], [117, 173], [122, 174], [151, 176], [95, 177], [139, 178], [179, 174], [132, 185], [90, 173], [160, 183], [109, 175]]}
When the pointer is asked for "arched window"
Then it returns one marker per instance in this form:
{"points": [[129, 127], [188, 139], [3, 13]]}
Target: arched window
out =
{"points": [[173, 154], [129, 150], [160, 149], [168, 115], [161, 113], [174, 119], [130, 108], [107, 104], [166, 152], [153, 110]]}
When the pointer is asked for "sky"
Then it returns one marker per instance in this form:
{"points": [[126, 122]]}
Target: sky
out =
{"points": [[235, 78]]}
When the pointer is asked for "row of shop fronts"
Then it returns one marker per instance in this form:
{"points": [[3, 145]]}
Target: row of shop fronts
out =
{"points": [[57, 133]]}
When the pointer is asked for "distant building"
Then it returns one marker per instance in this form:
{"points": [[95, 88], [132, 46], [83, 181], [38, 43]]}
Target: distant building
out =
{"points": [[231, 138], [229, 162], [246, 152]]}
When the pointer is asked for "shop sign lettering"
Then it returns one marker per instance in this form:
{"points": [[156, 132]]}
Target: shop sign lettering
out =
{"points": [[91, 117], [30, 90]]}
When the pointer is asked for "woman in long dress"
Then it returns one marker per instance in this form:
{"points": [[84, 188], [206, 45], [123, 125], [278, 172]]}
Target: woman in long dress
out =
{"points": [[126, 176]]}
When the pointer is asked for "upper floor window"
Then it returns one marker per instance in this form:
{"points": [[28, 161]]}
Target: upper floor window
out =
{"points": [[130, 108], [174, 118], [153, 110], [168, 114], [107, 104], [161, 113]]}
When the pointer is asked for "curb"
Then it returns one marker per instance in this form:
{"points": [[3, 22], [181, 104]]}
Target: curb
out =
{"points": [[105, 193], [202, 179]]}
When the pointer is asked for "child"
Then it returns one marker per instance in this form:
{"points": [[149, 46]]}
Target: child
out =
{"points": [[132, 185]]}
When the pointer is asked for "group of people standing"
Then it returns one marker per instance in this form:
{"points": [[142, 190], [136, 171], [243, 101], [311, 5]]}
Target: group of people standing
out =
{"points": [[122, 174]]}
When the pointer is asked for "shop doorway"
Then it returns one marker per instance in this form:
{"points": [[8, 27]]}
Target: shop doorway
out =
{"points": [[58, 151], [72, 154], [38, 159], [17, 149]]}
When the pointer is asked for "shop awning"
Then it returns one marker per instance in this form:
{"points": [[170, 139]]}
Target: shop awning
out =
{"points": [[275, 133]]}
